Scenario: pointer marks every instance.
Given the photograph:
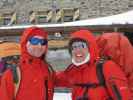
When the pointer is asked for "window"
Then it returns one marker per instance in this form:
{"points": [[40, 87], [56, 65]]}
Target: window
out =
{"points": [[6, 18], [9, 18], [68, 15], [6, 21], [68, 18], [42, 19], [42, 16]]}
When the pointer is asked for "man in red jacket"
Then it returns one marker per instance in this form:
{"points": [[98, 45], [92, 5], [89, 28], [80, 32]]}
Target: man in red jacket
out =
{"points": [[84, 76], [34, 77]]}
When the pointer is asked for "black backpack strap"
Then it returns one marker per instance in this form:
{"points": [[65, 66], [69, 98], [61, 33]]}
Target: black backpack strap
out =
{"points": [[102, 82], [16, 72], [99, 72], [51, 76], [46, 87], [50, 69], [100, 76], [86, 86]]}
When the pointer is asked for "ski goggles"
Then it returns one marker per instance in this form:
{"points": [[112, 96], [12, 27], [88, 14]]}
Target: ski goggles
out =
{"points": [[79, 45], [36, 41]]}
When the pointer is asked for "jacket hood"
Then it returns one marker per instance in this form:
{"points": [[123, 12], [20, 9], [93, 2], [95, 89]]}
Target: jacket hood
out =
{"points": [[90, 39], [118, 47], [28, 33]]}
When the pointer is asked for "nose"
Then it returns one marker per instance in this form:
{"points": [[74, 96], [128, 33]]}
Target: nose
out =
{"points": [[39, 45], [78, 49]]}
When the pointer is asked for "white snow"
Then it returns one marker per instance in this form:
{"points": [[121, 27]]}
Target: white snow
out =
{"points": [[124, 18]]}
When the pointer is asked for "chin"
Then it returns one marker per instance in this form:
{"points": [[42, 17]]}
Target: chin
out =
{"points": [[79, 62]]}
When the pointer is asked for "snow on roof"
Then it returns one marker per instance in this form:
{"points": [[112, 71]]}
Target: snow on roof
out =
{"points": [[124, 18]]}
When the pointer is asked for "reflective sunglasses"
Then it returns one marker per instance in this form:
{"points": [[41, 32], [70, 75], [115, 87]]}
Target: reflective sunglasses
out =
{"points": [[36, 41], [79, 45]]}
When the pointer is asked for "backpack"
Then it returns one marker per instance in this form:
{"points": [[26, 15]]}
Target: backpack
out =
{"points": [[102, 82], [16, 72], [117, 47]]}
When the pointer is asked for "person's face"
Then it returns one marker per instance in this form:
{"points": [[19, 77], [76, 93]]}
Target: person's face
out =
{"points": [[79, 51], [36, 46]]}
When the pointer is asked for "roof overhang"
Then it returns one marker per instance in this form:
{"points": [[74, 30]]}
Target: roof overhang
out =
{"points": [[15, 30]]}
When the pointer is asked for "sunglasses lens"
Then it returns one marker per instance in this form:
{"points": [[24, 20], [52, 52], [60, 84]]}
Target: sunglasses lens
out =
{"points": [[80, 45], [36, 41], [44, 42]]}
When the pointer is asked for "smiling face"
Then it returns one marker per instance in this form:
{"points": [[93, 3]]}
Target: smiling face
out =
{"points": [[80, 53], [36, 46]]}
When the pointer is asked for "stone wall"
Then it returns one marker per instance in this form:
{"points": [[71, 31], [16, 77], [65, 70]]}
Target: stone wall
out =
{"points": [[87, 8]]}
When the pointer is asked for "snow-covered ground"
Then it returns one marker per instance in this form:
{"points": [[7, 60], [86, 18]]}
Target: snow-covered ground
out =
{"points": [[62, 96]]}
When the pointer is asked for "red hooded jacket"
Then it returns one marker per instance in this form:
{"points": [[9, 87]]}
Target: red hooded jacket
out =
{"points": [[118, 47], [86, 73], [36, 79]]}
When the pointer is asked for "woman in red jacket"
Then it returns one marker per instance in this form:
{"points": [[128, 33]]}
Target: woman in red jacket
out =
{"points": [[83, 74], [35, 78]]}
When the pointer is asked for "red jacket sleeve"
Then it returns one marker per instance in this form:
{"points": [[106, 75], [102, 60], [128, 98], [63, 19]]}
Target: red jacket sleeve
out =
{"points": [[116, 82], [7, 86]]}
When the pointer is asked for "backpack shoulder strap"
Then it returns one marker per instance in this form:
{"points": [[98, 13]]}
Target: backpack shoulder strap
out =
{"points": [[99, 72], [101, 77], [19, 79], [16, 72], [46, 85], [69, 68], [50, 69]]}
